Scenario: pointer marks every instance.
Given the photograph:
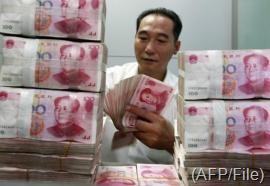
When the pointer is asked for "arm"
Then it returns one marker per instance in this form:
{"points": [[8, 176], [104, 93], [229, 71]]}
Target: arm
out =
{"points": [[153, 129]]}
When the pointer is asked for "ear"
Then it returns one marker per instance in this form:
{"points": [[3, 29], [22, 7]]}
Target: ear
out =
{"points": [[177, 46]]}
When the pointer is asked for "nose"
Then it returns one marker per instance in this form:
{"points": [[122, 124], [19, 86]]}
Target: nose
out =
{"points": [[149, 49]]}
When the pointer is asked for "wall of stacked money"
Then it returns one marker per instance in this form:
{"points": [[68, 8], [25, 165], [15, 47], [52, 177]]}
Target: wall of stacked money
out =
{"points": [[51, 90]]}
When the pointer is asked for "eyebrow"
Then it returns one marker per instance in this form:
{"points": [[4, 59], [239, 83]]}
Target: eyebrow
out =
{"points": [[159, 34]]}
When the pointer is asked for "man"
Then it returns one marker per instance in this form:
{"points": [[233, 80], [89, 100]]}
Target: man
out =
{"points": [[156, 41], [255, 125], [257, 83]]}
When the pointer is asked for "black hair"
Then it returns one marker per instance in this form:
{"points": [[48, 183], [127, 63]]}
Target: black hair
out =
{"points": [[164, 12]]}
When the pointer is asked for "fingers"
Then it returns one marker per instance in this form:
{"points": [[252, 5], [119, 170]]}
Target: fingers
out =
{"points": [[142, 113], [144, 126]]}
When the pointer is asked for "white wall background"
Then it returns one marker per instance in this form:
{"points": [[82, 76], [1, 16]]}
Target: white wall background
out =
{"points": [[207, 24], [253, 24]]}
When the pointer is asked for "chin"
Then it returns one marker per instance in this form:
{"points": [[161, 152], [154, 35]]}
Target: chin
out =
{"points": [[149, 65]]}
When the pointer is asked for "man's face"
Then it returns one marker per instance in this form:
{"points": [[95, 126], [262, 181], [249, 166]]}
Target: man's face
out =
{"points": [[63, 112], [155, 44], [254, 122], [253, 69]]}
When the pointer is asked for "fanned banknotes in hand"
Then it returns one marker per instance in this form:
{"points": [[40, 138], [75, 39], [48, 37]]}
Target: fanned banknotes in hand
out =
{"points": [[141, 91]]}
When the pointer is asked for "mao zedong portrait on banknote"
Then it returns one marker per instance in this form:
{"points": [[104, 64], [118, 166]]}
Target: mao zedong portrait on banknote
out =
{"points": [[257, 82], [65, 116], [71, 57], [114, 178], [157, 100], [255, 120], [159, 173], [72, 25]]}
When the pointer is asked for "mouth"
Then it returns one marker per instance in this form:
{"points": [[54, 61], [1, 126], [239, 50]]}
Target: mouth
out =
{"points": [[149, 60]]}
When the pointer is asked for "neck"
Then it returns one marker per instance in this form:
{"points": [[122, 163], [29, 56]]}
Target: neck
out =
{"points": [[156, 75]]}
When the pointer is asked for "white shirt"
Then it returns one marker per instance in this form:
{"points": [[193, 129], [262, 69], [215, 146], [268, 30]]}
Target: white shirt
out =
{"points": [[136, 152]]}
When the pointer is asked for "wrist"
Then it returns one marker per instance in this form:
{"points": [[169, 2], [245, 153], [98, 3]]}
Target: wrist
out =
{"points": [[170, 146]]}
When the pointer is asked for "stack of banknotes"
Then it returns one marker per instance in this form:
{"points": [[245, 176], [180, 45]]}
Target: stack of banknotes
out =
{"points": [[52, 64], [52, 83], [220, 168], [51, 131], [80, 19], [139, 175], [229, 74], [223, 115], [140, 90]]}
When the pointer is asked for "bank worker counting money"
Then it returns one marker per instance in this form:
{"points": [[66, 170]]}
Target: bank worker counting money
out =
{"points": [[156, 41]]}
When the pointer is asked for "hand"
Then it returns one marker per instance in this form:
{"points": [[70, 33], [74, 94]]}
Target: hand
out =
{"points": [[153, 130]]}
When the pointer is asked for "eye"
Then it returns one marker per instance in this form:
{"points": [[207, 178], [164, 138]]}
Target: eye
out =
{"points": [[162, 41], [143, 38]]}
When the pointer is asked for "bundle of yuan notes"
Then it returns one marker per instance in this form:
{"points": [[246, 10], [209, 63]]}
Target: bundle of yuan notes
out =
{"points": [[116, 175], [49, 131], [140, 175], [70, 164], [81, 19], [220, 168], [224, 140], [157, 175], [141, 91], [50, 115], [229, 126], [232, 74], [54, 64], [36, 176]]}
